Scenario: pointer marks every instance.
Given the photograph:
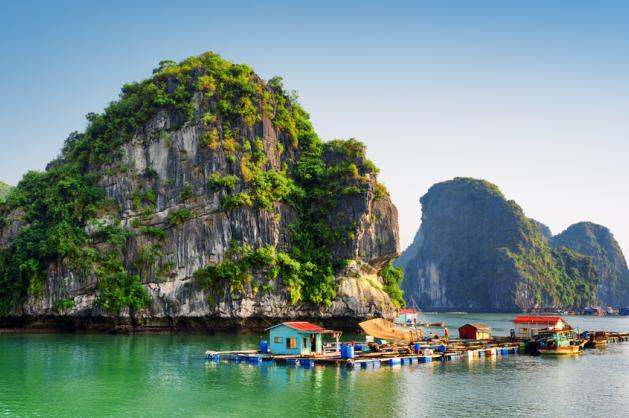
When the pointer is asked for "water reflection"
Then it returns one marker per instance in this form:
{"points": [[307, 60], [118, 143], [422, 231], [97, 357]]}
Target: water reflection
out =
{"points": [[69, 375]]}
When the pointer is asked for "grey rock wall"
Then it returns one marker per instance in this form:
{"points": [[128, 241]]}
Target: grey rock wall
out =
{"points": [[175, 166]]}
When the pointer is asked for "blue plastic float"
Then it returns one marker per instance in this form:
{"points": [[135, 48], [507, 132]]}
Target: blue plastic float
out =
{"points": [[306, 363]]}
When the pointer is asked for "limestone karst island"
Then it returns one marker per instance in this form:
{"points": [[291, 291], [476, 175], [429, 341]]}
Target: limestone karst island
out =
{"points": [[202, 198], [183, 234]]}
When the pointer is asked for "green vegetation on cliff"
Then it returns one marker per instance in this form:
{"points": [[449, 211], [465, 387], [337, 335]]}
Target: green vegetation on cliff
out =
{"points": [[559, 277], [597, 242], [55, 207], [235, 271], [4, 190], [393, 278]]}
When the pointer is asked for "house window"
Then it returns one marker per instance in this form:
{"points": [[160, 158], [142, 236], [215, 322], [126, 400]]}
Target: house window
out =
{"points": [[305, 343], [278, 340], [525, 330], [291, 343]]}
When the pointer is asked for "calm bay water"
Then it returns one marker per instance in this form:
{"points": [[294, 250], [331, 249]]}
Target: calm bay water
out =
{"points": [[167, 375]]}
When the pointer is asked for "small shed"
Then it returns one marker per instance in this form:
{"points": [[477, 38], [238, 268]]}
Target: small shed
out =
{"points": [[406, 316], [298, 338], [475, 332], [529, 326]]}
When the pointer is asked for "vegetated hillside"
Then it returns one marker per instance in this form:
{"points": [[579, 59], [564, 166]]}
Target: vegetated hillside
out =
{"points": [[477, 251], [598, 242], [4, 190], [544, 229], [203, 192]]}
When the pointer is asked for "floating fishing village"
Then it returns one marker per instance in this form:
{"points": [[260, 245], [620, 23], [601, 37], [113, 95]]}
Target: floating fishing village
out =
{"points": [[407, 341]]}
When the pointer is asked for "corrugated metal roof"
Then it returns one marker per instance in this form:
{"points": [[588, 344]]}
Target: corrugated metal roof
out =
{"points": [[301, 326], [537, 320]]}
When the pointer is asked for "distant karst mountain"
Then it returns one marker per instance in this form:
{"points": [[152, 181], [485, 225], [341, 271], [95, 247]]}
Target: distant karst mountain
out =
{"points": [[477, 251], [598, 242]]}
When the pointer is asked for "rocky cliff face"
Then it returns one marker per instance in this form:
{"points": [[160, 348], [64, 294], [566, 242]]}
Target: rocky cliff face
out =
{"points": [[476, 251], [202, 195], [597, 241]]}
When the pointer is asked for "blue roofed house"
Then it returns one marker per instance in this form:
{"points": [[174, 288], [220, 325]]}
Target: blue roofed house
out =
{"points": [[298, 338]]}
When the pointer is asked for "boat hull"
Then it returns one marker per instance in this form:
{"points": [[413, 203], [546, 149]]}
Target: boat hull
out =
{"points": [[560, 351], [596, 344]]}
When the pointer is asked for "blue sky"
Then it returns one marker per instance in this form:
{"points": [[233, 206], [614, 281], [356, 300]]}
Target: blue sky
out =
{"points": [[531, 95]]}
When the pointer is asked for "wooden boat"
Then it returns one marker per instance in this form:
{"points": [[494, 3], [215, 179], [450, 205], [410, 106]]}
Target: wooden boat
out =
{"points": [[597, 339], [561, 350], [559, 342], [387, 330]]}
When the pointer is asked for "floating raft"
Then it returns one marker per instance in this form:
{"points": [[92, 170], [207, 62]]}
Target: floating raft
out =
{"points": [[394, 355], [391, 356]]}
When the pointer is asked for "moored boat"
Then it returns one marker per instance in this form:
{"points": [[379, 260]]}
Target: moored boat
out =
{"points": [[559, 342], [597, 339], [611, 311]]}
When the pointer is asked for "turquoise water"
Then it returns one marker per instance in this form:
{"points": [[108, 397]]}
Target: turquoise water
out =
{"points": [[167, 375]]}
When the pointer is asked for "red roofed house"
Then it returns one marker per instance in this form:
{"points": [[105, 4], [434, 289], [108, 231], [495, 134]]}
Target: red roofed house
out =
{"points": [[299, 338], [529, 326], [406, 316], [475, 332]]}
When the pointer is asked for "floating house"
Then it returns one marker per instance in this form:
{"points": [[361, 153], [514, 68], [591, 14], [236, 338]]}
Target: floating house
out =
{"points": [[475, 332], [298, 338], [529, 326], [406, 317]]}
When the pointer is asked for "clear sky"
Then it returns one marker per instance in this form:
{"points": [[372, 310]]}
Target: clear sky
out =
{"points": [[531, 95]]}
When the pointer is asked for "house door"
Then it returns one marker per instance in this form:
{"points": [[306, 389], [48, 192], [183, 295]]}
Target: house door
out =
{"points": [[313, 343]]}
